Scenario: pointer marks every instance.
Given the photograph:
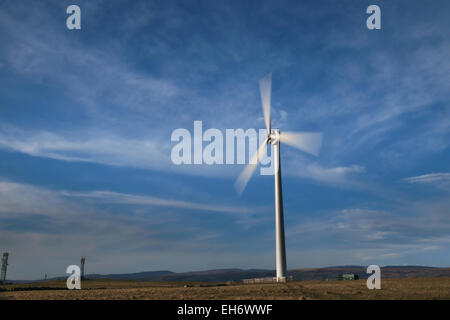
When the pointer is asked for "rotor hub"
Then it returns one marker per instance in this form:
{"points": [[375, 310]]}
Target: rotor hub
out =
{"points": [[274, 136]]}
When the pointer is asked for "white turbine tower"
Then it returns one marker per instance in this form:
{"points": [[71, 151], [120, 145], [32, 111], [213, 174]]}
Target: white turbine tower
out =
{"points": [[306, 141]]}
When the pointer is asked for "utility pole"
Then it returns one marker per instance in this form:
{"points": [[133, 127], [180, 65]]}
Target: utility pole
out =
{"points": [[4, 267], [83, 259]]}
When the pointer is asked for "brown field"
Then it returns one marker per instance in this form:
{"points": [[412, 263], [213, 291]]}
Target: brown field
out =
{"points": [[406, 288]]}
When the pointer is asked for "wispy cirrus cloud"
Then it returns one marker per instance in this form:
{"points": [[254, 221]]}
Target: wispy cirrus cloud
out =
{"points": [[333, 175], [123, 198], [439, 178], [340, 176], [98, 147], [60, 197], [150, 152], [93, 77]]}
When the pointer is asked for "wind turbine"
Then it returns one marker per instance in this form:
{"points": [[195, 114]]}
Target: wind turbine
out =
{"points": [[309, 142]]}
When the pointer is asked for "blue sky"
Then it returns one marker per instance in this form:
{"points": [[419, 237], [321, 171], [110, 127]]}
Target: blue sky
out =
{"points": [[86, 118]]}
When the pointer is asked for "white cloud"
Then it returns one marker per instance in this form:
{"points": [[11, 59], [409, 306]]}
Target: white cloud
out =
{"points": [[101, 147], [335, 174], [342, 176], [57, 201], [115, 197], [91, 147], [439, 178]]}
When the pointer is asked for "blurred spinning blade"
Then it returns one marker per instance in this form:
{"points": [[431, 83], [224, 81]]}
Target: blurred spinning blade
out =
{"points": [[247, 173], [265, 87], [306, 141]]}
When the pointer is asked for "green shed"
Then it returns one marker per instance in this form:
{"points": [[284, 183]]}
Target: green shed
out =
{"points": [[348, 276]]}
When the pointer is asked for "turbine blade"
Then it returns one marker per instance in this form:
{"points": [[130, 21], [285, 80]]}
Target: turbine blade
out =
{"points": [[247, 173], [306, 141], [265, 88]]}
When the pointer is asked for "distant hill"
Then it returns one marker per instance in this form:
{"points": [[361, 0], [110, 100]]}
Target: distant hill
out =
{"points": [[386, 272], [330, 273], [221, 275], [218, 275], [138, 276]]}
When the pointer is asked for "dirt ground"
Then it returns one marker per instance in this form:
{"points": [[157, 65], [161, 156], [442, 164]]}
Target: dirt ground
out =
{"points": [[407, 288]]}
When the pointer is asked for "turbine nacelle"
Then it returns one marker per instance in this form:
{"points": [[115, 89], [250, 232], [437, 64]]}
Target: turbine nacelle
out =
{"points": [[274, 137]]}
